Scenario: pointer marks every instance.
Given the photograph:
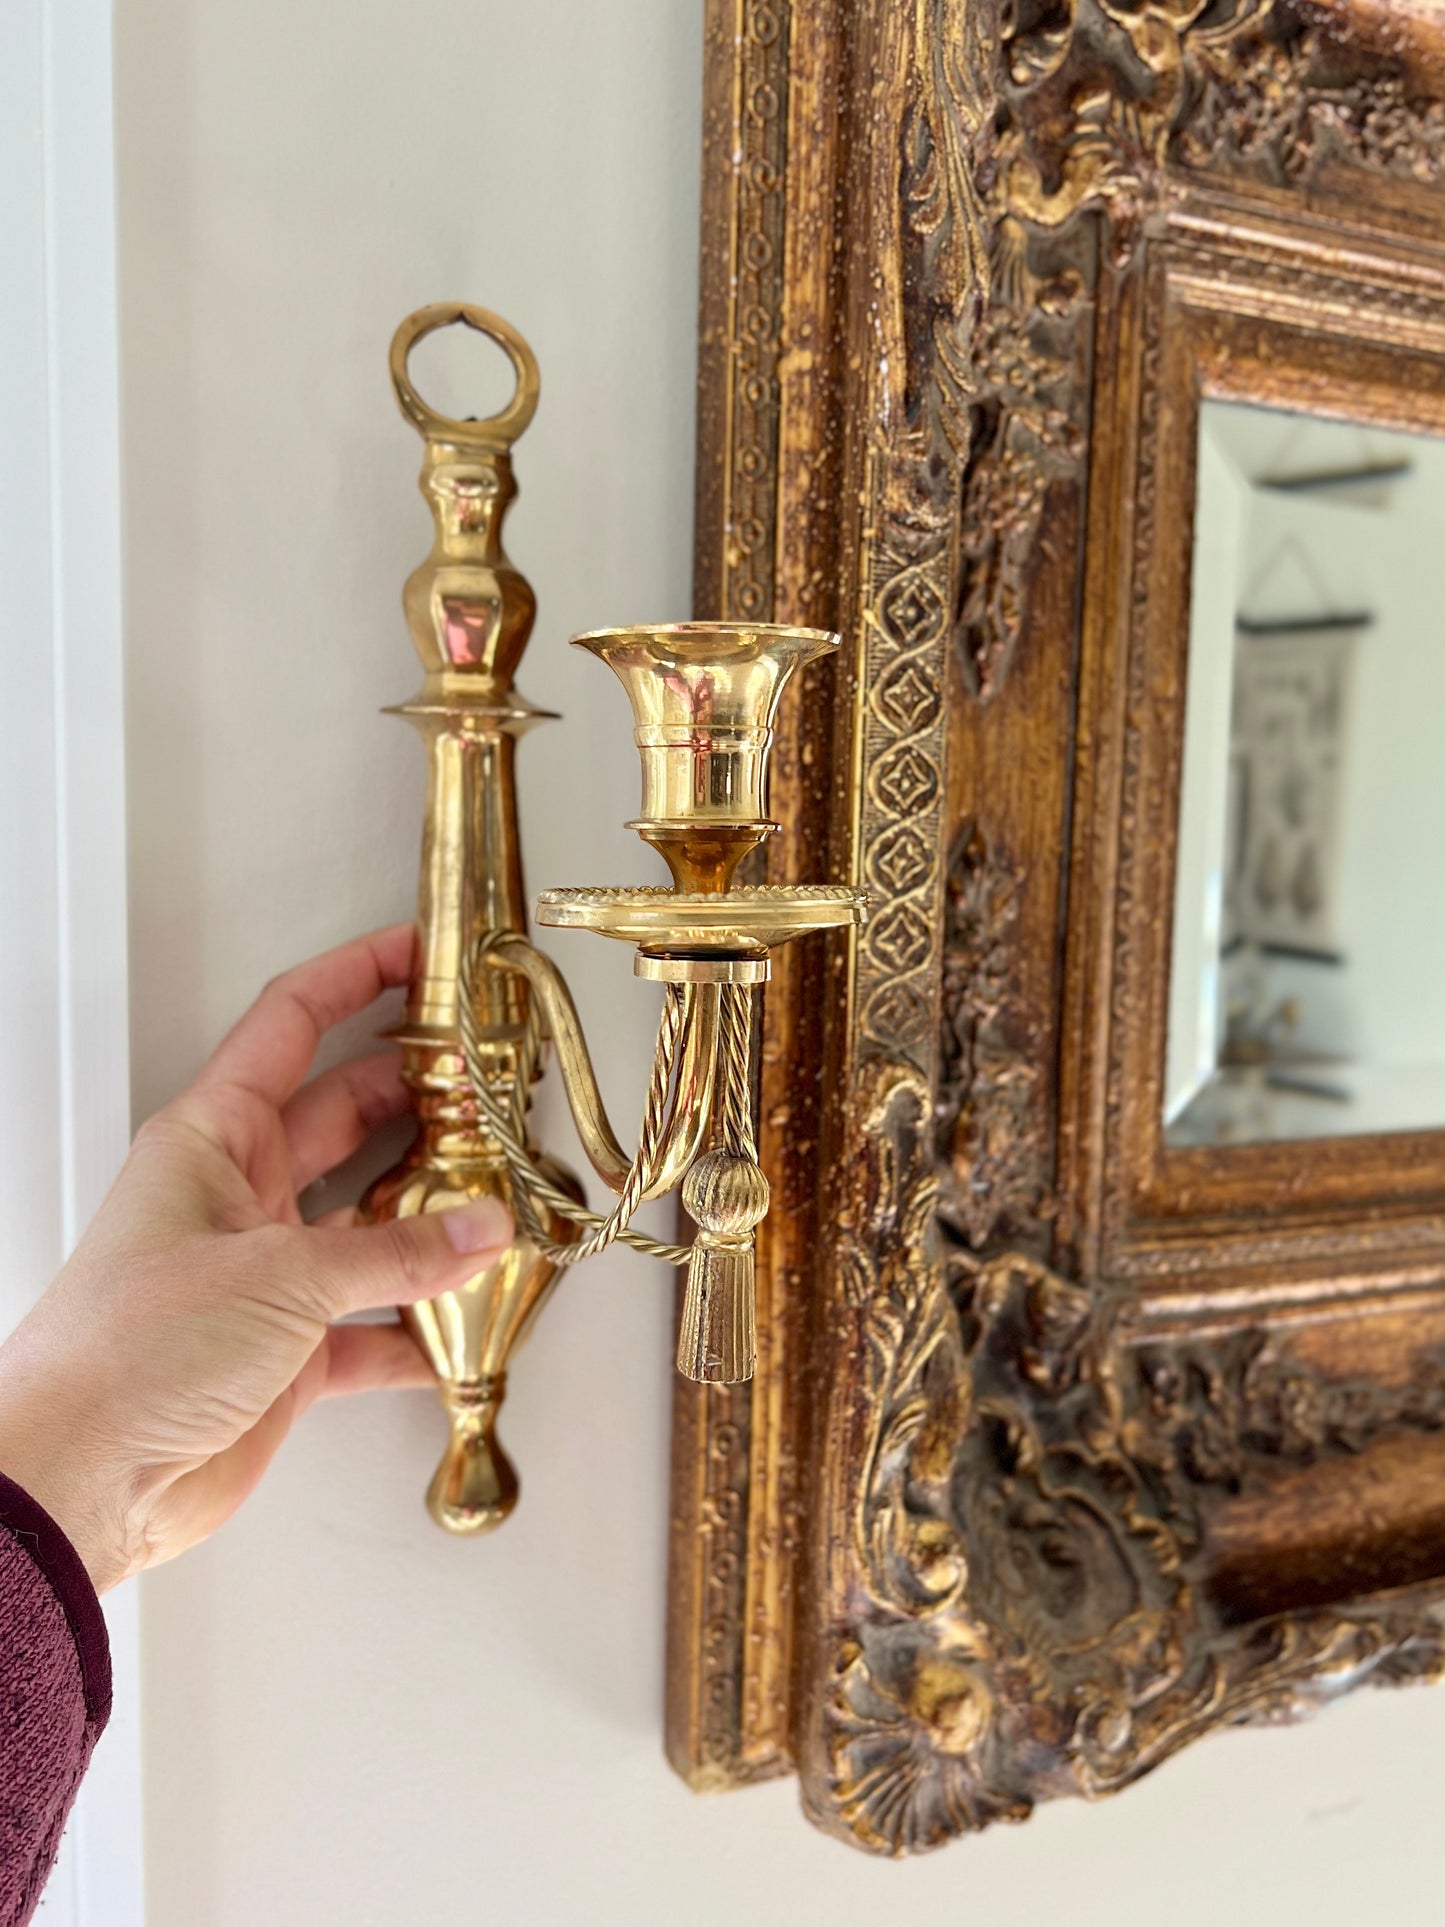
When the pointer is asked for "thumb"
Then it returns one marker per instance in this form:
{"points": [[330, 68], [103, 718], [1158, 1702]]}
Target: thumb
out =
{"points": [[375, 1265]]}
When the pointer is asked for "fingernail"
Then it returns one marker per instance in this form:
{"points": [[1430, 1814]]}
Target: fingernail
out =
{"points": [[480, 1225]]}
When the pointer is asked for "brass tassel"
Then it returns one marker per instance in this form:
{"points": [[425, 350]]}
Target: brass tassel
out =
{"points": [[726, 1194]]}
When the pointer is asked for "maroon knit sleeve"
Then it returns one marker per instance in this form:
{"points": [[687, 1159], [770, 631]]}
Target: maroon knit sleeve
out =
{"points": [[54, 1693]]}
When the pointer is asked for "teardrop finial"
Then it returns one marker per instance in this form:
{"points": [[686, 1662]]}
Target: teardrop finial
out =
{"points": [[476, 1485]]}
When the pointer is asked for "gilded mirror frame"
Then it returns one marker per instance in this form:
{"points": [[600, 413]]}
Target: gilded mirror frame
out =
{"points": [[1059, 1455]]}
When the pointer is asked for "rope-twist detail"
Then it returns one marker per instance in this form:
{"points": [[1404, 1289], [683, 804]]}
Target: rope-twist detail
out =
{"points": [[506, 1121]]}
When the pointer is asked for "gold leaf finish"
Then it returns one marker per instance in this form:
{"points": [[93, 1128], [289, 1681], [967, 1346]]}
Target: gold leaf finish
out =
{"points": [[1060, 1454]]}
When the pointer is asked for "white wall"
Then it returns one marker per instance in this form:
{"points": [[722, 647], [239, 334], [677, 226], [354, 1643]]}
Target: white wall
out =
{"points": [[64, 1083], [348, 1717]]}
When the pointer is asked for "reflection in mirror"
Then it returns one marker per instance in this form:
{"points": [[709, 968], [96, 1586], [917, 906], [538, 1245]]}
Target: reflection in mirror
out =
{"points": [[1307, 985]]}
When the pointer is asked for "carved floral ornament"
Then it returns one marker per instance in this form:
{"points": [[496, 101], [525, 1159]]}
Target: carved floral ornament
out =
{"points": [[1031, 1528], [1095, 109], [1011, 1584], [1030, 1515]]}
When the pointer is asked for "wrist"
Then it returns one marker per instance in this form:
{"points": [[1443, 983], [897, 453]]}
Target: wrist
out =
{"points": [[36, 1455]]}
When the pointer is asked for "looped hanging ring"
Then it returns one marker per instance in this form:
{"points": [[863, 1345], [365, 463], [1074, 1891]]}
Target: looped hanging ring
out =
{"points": [[497, 432]]}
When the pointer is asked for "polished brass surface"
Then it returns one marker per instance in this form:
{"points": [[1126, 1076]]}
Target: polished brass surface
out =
{"points": [[696, 1070], [726, 1195], [470, 613], [498, 432], [484, 1003], [475, 1486], [750, 920], [704, 696], [691, 968]]}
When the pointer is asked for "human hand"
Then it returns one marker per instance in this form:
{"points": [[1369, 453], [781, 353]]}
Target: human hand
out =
{"points": [[148, 1390]]}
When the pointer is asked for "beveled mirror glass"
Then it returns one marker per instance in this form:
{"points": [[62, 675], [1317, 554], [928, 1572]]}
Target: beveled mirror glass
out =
{"points": [[1309, 923]]}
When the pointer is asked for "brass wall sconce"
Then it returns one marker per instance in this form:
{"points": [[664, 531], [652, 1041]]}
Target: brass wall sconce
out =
{"points": [[483, 1002]]}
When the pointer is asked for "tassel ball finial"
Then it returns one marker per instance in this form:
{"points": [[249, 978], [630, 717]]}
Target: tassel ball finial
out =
{"points": [[726, 1195]]}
